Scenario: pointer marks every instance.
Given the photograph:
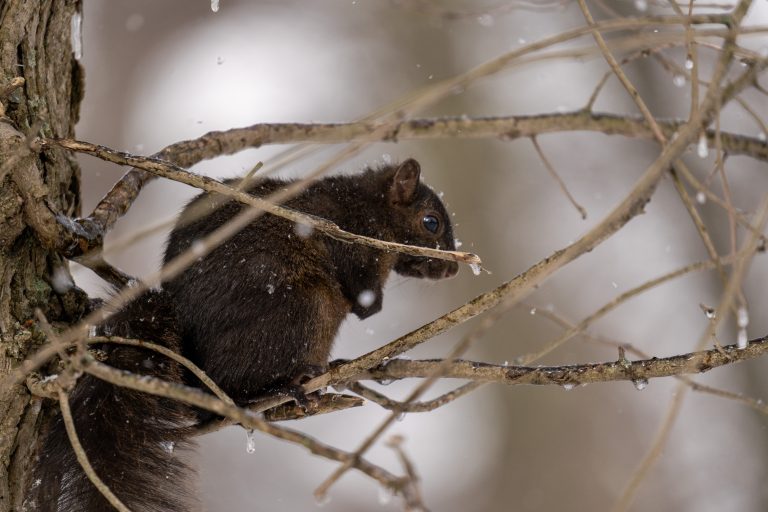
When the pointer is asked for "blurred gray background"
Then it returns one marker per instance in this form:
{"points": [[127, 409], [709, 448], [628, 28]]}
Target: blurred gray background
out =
{"points": [[159, 72]]}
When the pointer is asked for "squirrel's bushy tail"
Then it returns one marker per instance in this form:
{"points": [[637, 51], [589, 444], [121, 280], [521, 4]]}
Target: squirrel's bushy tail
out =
{"points": [[134, 441]]}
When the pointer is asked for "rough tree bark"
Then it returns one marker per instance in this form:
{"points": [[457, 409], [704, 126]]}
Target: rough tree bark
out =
{"points": [[35, 43]]}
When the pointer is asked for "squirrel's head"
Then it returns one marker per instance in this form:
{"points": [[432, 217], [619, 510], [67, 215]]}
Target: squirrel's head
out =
{"points": [[419, 219]]}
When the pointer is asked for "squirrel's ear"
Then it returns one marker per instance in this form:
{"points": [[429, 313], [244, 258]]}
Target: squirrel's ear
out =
{"points": [[402, 188]]}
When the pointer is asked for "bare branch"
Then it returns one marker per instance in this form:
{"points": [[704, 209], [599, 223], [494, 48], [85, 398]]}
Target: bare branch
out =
{"points": [[505, 127], [548, 165], [399, 485], [577, 374], [755, 404], [402, 407], [244, 417], [414, 500], [170, 171], [614, 65]]}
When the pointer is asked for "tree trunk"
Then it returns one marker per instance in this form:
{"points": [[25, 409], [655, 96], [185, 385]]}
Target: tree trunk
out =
{"points": [[36, 44]]}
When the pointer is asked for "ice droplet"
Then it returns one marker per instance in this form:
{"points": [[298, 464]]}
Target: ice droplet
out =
{"points": [[701, 197], [215, 5], [303, 230], [688, 64], [458, 243], [521, 40], [641, 5], [569, 386], [485, 20], [640, 384], [270, 289], [167, 446], [533, 311], [250, 441], [475, 268], [76, 35], [400, 417], [385, 495], [366, 298], [762, 137], [741, 339], [386, 158], [613, 283], [91, 331], [61, 281], [678, 80], [322, 500], [742, 317], [702, 149]]}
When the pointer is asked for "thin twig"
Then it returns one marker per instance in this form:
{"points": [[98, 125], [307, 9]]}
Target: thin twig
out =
{"points": [[758, 405], [415, 501], [614, 65], [700, 187], [548, 165], [403, 407], [189, 365], [397, 485]]}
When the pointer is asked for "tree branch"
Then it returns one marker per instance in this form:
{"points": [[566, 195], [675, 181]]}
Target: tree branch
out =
{"points": [[173, 172], [576, 374], [503, 127]]}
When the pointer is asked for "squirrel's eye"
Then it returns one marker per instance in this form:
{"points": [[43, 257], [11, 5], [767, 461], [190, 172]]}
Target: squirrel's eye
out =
{"points": [[431, 223]]}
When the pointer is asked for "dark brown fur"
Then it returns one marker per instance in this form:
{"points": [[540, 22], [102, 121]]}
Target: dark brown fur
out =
{"points": [[255, 314], [133, 440]]}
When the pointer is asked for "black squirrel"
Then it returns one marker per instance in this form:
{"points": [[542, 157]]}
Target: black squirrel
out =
{"points": [[258, 314]]}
